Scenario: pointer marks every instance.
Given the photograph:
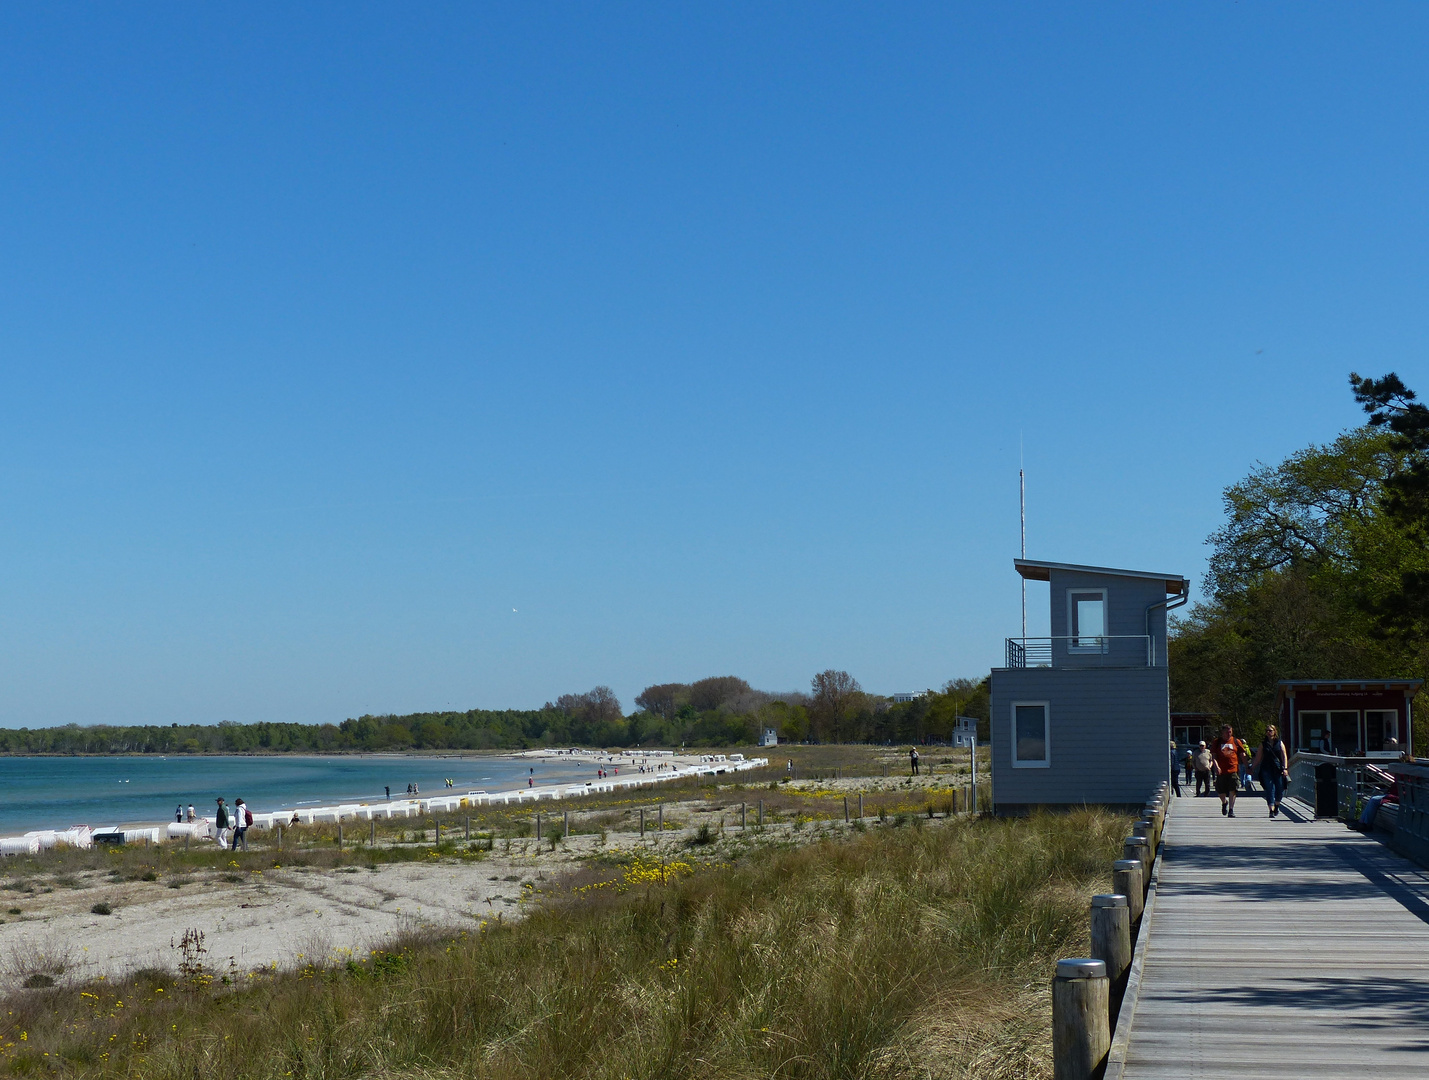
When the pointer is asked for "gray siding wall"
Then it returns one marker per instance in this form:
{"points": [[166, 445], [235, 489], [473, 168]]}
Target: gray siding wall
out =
{"points": [[1126, 602], [1110, 732]]}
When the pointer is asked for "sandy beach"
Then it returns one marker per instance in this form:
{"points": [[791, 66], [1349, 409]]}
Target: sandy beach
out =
{"points": [[289, 914], [283, 915]]}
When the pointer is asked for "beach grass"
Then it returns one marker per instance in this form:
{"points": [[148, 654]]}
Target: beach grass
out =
{"points": [[924, 950]]}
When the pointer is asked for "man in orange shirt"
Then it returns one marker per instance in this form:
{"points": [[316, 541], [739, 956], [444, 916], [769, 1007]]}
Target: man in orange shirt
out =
{"points": [[1225, 759]]}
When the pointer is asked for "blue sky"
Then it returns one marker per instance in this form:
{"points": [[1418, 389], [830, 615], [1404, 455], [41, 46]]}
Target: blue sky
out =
{"points": [[356, 358]]}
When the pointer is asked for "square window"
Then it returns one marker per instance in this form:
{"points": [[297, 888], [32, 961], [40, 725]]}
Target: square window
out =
{"points": [[1314, 727], [1381, 730], [1031, 735]]}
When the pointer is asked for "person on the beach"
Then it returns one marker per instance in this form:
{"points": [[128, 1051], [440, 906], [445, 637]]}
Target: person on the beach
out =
{"points": [[387, 788], [1273, 767], [242, 818], [1202, 761], [295, 820], [1225, 757], [913, 760], [220, 823], [530, 781], [179, 813], [193, 814]]}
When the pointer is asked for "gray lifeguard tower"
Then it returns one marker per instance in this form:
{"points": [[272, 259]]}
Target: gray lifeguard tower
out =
{"points": [[1083, 716]]}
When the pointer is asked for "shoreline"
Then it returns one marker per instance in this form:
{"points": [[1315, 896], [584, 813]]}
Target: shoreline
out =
{"points": [[650, 768]]}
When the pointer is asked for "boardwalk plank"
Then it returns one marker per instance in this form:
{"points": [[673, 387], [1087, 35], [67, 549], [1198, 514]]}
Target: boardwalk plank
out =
{"points": [[1281, 948]]}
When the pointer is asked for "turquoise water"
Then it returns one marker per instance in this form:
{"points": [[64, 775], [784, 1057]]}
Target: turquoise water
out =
{"points": [[55, 792]]}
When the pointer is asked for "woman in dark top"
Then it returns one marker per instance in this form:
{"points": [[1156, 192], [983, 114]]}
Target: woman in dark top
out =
{"points": [[1273, 768]]}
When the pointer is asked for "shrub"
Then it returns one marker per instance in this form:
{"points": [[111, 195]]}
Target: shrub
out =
{"points": [[102, 908]]}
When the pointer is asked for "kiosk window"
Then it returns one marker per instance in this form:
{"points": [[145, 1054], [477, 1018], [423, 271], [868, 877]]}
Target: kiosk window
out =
{"points": [[1031, 740]]}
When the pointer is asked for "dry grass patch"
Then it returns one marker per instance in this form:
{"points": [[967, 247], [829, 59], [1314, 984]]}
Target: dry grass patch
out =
{"points": [[888, 953]]}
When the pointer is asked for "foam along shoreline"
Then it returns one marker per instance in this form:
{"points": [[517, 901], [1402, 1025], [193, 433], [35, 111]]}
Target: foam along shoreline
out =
{"points": [[660, 766]]}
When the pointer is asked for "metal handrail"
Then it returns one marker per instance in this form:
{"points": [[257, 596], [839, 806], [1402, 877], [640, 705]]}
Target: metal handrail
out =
{"points": [[1082, 650]]}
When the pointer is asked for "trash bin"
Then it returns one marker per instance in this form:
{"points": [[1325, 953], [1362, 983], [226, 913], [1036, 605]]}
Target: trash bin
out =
{"points": [[1327, 790]]}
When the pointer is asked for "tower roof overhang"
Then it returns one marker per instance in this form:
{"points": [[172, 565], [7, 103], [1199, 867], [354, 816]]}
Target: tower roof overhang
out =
{"points": [[1038, 570]]}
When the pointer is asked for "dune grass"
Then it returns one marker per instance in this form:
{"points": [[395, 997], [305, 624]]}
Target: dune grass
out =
{"points": [[924, 950]]}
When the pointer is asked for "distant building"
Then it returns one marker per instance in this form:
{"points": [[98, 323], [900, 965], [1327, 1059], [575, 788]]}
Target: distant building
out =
{"points": [[1347, 717], [769, 737], [1189, 728], [965, 732], [900, 698], [1084, 716]]}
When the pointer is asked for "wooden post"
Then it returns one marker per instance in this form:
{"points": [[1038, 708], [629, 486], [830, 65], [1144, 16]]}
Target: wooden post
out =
{"points": [[742, 815], [372, 833], [468, 827], [565, 823], [1111, 933], [1136, 847], [280, 838], [845, 809], [339, 836], [1126, 879], [860, 806], [1081, 1023], [760, 819], [661, 824], [439, 834], [538, 824], [642, 823]]}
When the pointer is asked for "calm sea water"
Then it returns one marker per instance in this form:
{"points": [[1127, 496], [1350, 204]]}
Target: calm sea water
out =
{"points": [[54, 792]]}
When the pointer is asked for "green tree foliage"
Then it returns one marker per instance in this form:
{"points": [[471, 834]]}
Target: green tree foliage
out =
{"points": [[1401, 606], [593, 718], [1308, 576]]}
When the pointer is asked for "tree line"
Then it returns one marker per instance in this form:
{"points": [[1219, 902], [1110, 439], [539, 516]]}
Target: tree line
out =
{"points": [[719, 711], [1321, 569]]}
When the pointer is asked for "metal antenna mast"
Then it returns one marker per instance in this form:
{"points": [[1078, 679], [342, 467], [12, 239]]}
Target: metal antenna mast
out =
{"points": [[1022, 506]]}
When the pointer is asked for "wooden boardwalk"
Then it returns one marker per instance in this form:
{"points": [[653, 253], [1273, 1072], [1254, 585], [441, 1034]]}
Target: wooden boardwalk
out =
{"points": [[1287, 948]]}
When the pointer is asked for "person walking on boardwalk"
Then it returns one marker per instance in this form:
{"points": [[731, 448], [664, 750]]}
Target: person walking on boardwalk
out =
{"points": [[1225, 756], [1245, 783], [1175, 772], [1202, 760], [1273, 767], [913, 760]]}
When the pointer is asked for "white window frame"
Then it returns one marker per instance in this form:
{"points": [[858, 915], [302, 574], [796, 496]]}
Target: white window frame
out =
{"points": [[1073, 636], [1322, 717], [1379, 714], [1046, 761]]}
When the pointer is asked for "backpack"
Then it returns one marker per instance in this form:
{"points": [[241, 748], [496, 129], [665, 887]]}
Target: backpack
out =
{"points": [[247, 817]]}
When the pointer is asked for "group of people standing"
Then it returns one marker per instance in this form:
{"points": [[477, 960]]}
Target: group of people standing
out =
{"points": [[1227, 765]]}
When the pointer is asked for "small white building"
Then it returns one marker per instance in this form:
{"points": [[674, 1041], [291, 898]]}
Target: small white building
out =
{"points": [[769, 737], [965, 732], [901, 698]]}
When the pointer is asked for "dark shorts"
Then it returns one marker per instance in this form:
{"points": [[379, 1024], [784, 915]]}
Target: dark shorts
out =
{"points": [[1227, 783]]}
